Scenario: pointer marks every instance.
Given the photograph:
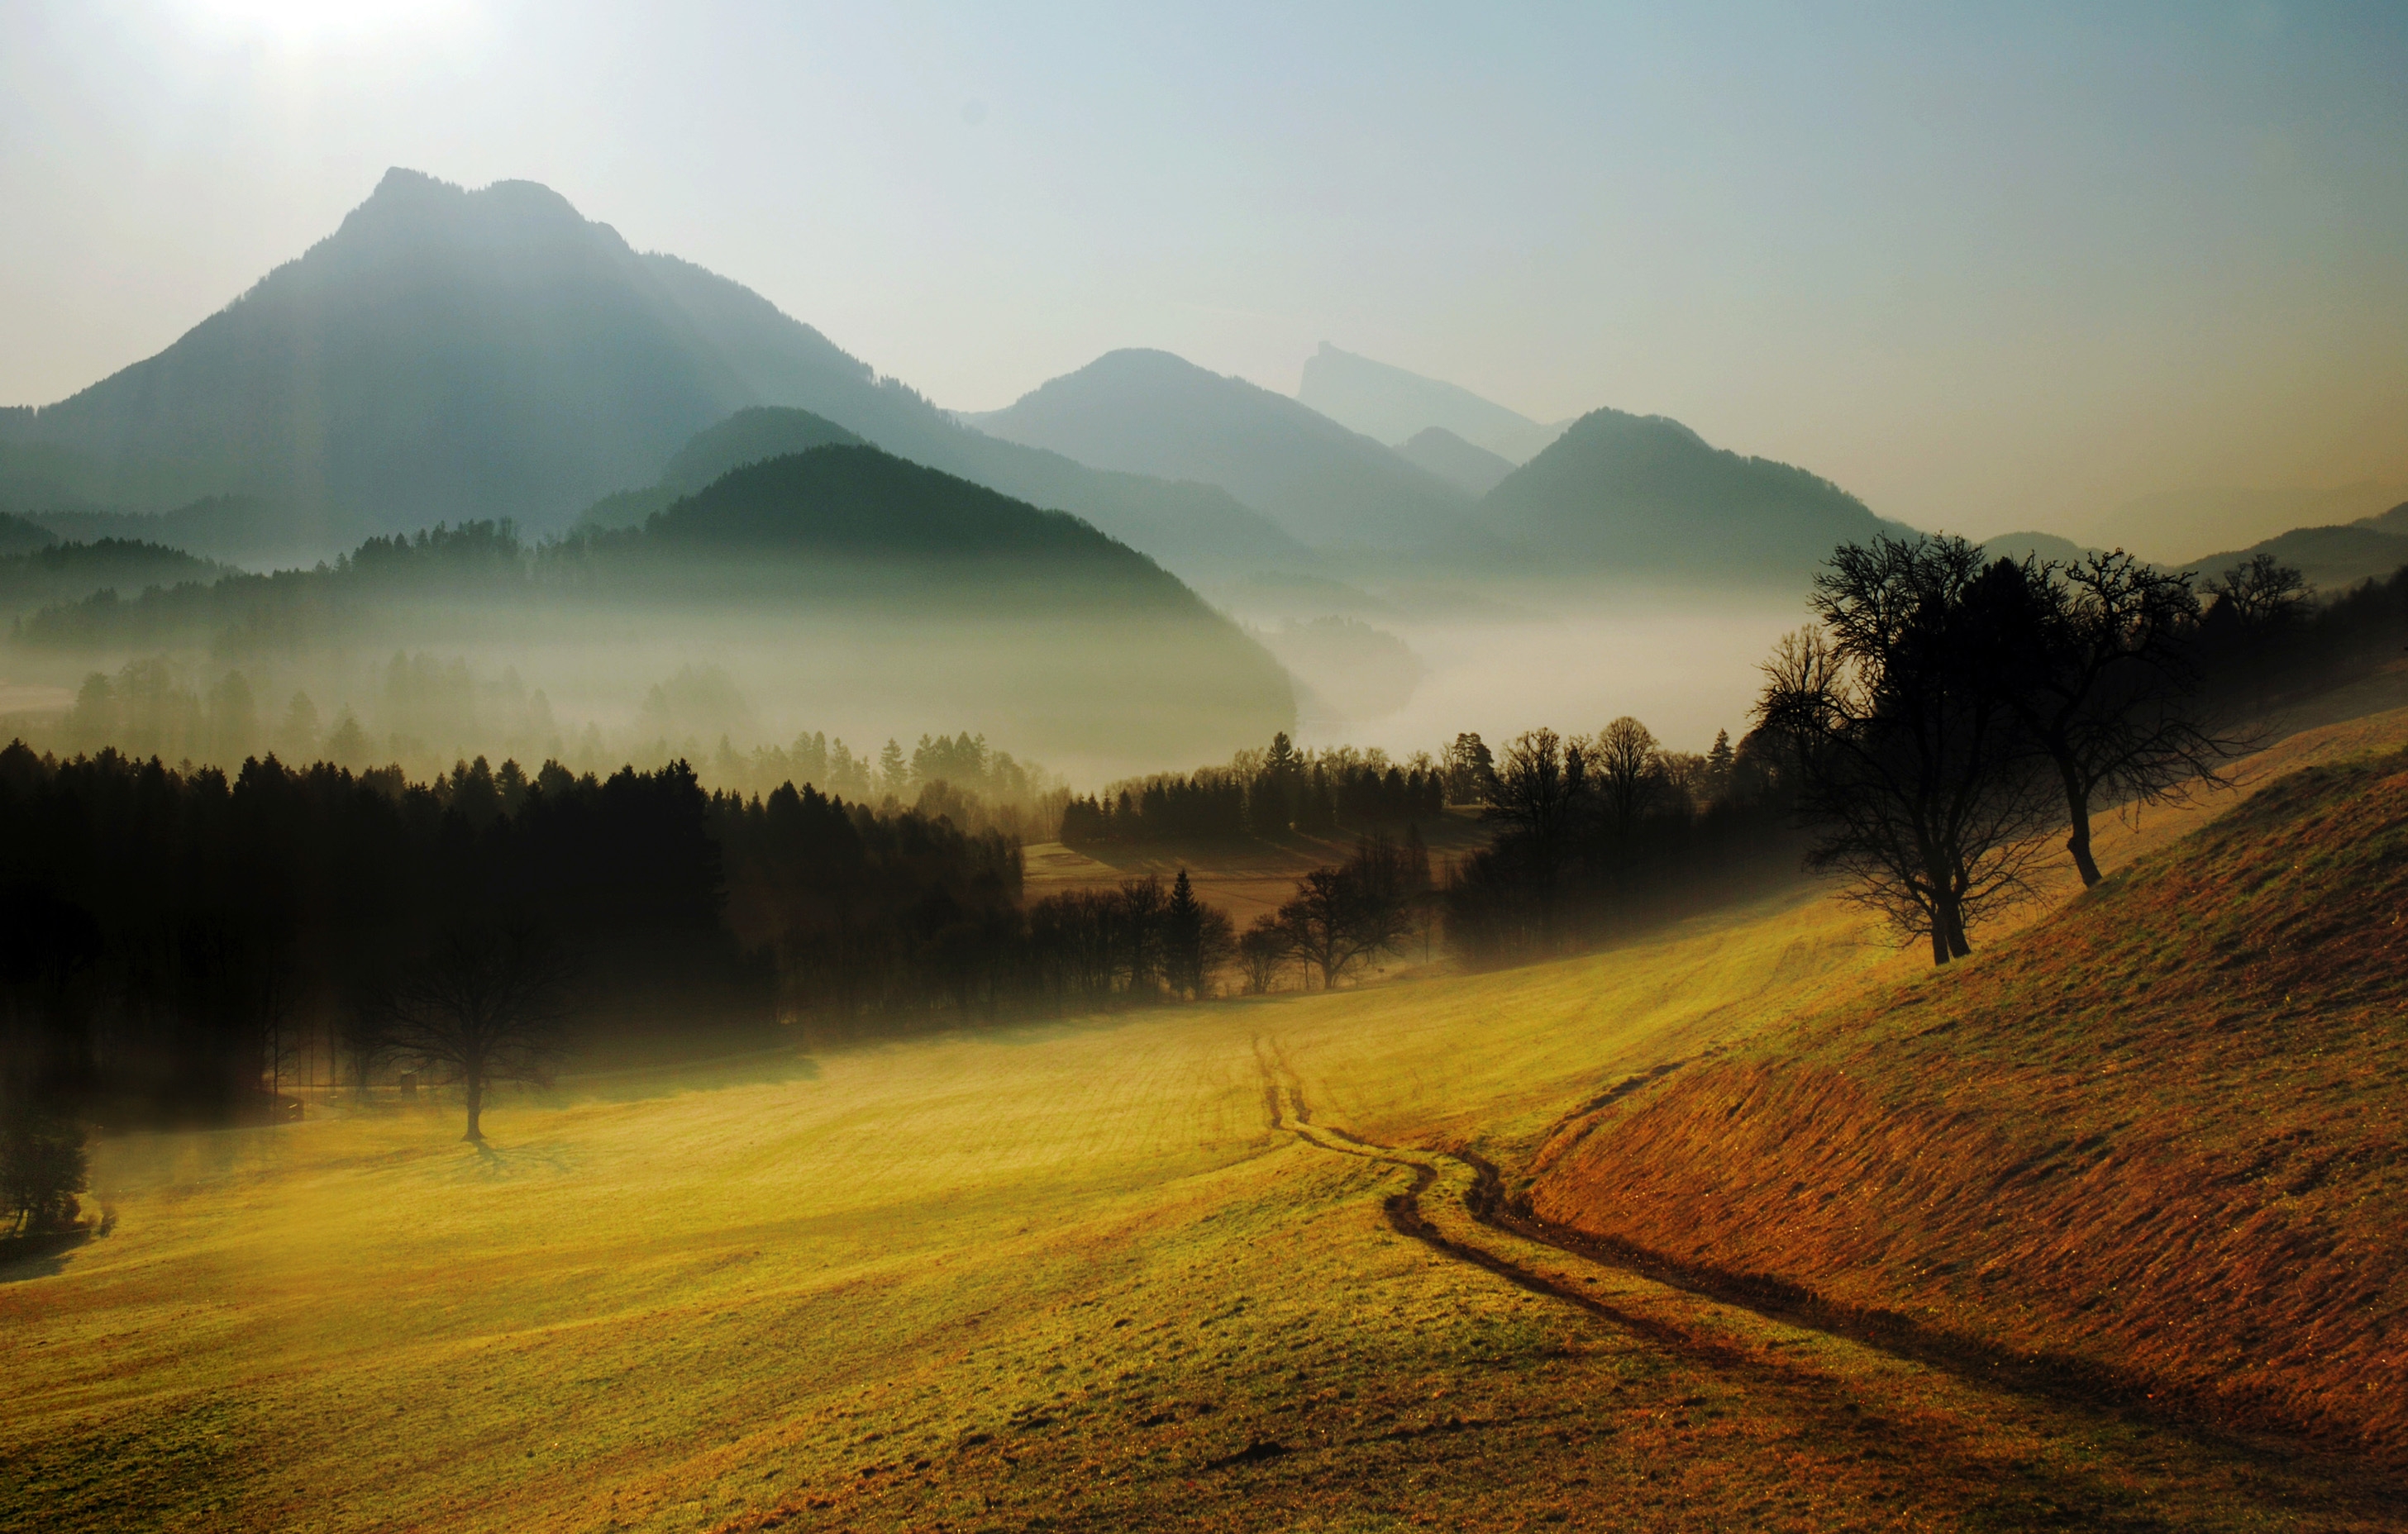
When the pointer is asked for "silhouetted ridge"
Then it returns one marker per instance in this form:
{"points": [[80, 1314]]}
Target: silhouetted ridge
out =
{"points": [[857, 501]]}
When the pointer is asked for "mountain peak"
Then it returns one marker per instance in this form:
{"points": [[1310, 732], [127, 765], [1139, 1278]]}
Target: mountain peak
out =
{"points": [[1145, 411]]}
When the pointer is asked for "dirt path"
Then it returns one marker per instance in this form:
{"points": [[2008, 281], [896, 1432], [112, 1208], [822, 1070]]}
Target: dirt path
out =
{"points": [[1766, 1336]]}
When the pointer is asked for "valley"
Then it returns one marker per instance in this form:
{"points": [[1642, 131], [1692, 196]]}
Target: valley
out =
{"points": [[1232, 1266]]}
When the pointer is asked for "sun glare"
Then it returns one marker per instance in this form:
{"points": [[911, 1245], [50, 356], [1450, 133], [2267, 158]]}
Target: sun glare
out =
{"points": [[302, 22]]}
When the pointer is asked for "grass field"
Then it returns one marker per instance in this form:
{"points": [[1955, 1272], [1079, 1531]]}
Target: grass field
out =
{"points": [[1091, 1275]]}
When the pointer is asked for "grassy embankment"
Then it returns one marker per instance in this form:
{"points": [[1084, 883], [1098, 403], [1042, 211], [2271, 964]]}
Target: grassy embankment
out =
{"points": [[2155, 1138], [1071, 1276]]}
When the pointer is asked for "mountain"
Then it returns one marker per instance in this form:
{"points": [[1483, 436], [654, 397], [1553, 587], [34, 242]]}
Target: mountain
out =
{"points": [[2332, 558], [751, 436], [1394, 406], [1149, 413], [841, 581], [449, 355], [1473, 470], [2169, 525], [2393, 520], [1644, 494]]}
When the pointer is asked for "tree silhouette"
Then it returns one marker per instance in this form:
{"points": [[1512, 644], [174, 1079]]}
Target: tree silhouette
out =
{"points": [[1625, 765], [487, 1001], [1916, 777], [2095, 659]]}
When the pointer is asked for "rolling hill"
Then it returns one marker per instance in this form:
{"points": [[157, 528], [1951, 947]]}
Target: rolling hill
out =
{"points": [[1150, 413], [1391, 404], [2149, 1145], [449, 355], [1646, 495]]}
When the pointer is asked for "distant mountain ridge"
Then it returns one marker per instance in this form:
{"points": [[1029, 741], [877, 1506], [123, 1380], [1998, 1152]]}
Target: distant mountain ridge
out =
{"points": [[1621, 494], [1388, 404], [449, 355], [881, 578], [1150, 413], [1467, 467]]}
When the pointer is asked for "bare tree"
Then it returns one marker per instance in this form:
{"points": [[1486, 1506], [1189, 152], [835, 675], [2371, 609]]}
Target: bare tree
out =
{"points": [[2094, 659], [1341, 915], [487, 1001], [1264, 952], [1625, 762], [1538, 790], [1918, 780], [2262, 592]]}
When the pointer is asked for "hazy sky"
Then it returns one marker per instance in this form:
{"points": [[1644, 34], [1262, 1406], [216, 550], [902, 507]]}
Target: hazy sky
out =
{"points": [[2005, 267]]}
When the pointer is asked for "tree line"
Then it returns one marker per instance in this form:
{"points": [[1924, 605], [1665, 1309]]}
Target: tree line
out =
{"points": [[1599, 834], [185, 946], [1267, 794]]}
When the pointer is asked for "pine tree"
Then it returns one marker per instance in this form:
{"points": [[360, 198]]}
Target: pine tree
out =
{"points": [[1182, 931]]}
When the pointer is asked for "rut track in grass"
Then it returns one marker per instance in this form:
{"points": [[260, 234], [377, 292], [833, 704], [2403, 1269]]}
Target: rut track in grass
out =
{"points": [[1709, 1338]]}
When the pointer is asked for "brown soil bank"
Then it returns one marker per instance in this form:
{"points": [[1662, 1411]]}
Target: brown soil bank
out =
{"points": [[2158, 1134]]}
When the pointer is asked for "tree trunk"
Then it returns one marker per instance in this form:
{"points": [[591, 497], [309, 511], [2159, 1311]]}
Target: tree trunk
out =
{"points": [[476, 1083], [2077, 815]]}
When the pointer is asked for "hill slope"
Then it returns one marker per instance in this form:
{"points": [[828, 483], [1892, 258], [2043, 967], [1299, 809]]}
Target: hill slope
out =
{"points": [[1150, 413], [1646, 495], [844, 577], [2332, 558], [2155, 1134], [1474, 470], [1392, 405], [449, 355]]}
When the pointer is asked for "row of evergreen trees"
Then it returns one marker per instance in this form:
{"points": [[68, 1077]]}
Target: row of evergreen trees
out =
{"points": [[1269, 793]]}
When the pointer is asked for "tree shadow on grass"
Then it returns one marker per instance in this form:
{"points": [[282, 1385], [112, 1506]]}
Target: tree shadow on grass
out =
{"points": [[44, 1255], [517, 1163]]}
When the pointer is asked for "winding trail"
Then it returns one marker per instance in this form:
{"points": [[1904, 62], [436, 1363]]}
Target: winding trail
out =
{"points": [[1763, 1333]]}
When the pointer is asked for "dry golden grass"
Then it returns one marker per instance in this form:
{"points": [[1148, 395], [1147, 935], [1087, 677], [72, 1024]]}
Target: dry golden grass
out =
{"points": [[1071, 1276], [2156, 1134]]}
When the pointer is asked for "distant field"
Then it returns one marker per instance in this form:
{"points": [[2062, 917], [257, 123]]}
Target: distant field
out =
{"points": [[1247, 879], [1092, 1275]]}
